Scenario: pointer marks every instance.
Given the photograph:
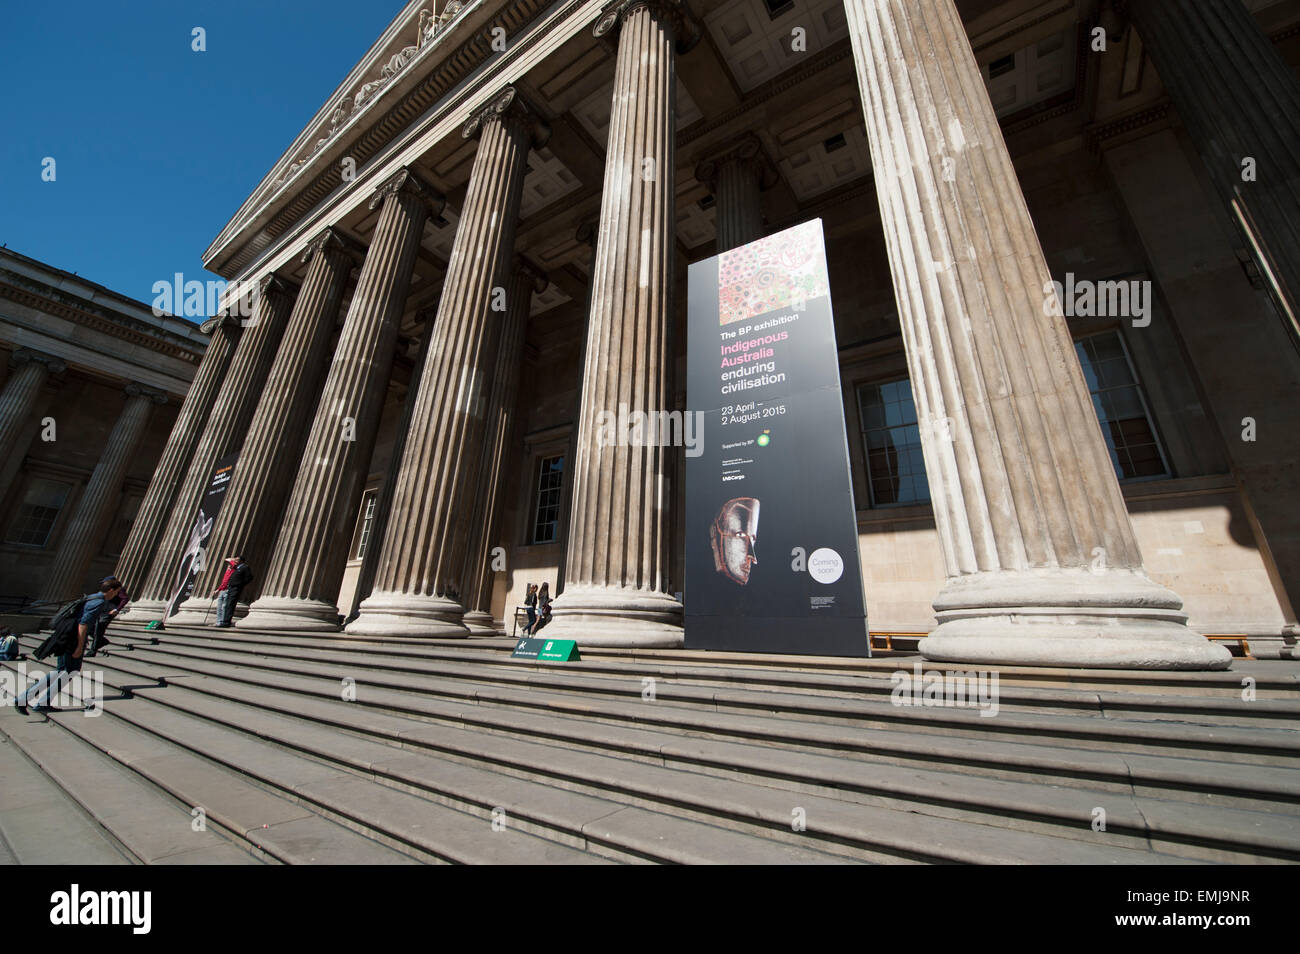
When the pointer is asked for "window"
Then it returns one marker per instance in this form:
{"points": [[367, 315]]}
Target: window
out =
{"points": [[36, 514], [777, 8], [1121, 407], [895, 468], [546, 511], [365, 524]]}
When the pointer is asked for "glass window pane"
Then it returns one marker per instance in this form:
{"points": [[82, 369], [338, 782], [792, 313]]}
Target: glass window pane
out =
{"points": [[37, 512], [546, 507], [1121, 410], [892, 438]]}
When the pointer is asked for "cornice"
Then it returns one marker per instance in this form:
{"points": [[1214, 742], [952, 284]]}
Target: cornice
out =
{"points": [[417, 84], [1095, 136], [96, 322]]}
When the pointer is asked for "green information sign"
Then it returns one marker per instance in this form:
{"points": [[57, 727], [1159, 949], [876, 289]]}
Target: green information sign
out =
{"points": [[548, 650]]}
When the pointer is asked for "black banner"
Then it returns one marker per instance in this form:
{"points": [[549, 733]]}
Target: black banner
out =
{"points": [[772, 559], [192, 559]]}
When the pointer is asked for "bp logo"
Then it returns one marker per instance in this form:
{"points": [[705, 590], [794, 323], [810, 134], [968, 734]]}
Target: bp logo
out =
{"points": [[825, 565], [765, 438]]}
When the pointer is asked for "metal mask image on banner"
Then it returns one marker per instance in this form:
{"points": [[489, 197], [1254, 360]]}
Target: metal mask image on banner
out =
{"points": [[733, 535]]}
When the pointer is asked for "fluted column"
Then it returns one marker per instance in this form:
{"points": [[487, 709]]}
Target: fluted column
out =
{"points": [[418, 582], [89, 522], [301, 583], [1239, 101], [268, 460], [28, 373], [227, 425], [384, 495], [1042, 564], [616, 565], [737, 176], [141, 547], [527, 279]]}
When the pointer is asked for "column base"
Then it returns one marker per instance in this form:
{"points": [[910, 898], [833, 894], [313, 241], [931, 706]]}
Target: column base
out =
{"points": [[281, 614], [1077, 619], [617, 616], [194, 612], [146, 610], [480, 623], [407, 614]]}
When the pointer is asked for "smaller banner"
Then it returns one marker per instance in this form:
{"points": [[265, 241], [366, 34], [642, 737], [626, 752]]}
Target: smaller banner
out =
{"points": [[193, 559], [546, 650]]}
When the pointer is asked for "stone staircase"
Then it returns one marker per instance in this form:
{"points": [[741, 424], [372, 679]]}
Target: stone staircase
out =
{"points": [[323, 749]]}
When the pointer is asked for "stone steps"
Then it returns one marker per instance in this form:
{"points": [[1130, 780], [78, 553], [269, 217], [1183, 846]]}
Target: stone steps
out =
{"points": [[1072, 689], [469, 768], [810, 695], [1057, 811], [456, 723], [41, 825], [1157, 749], [145, 825], [448, 828]]}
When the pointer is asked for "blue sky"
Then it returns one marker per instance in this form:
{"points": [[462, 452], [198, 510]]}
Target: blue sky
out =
{"points": [[156, 145]]}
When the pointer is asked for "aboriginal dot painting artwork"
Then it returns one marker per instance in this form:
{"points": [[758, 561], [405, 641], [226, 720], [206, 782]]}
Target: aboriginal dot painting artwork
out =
{"points": [[776, 272]]}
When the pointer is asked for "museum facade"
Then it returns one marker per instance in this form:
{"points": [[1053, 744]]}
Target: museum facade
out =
{"points": [[93, 385], [1063, 257]]}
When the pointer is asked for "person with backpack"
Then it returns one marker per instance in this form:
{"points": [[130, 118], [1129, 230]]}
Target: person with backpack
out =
{"points": [[120, 602], [237, 576], [73, 624]]}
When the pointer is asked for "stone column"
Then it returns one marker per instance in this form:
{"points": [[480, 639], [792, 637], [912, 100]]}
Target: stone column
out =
{"points": [[478, 575], [1240, 102], [384, 494], [249, 517], [418, 583], [616, 564], [736, 177], [1042, 564], [89, 522], [223, 434], [140, 549], [301, 583], [28, 372]]}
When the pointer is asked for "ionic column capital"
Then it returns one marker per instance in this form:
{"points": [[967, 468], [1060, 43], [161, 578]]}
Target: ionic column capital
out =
{"points": [[531, 272], [506, 106], [686, 27], [217, 322], [331, 238], [748, 153], [27, 356], [406, 181], [588, 231], [274, 284], [135, 389]]}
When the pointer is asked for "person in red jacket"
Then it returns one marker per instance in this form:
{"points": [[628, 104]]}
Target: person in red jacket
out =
{"points": [[237, 576]]}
